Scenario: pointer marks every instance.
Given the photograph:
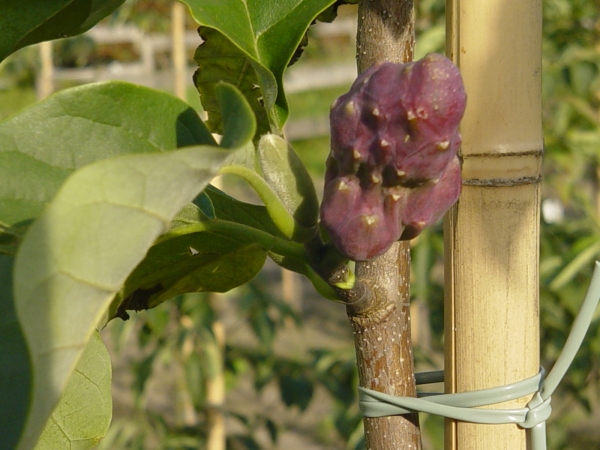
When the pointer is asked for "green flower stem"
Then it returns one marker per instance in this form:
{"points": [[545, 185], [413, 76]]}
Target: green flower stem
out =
{"points": [[348, 282], [322, 287], [276, 209], [273, 244], [242, 233]]}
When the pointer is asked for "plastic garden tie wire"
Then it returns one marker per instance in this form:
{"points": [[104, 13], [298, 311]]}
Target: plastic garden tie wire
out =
{"points": [[462, 406]]}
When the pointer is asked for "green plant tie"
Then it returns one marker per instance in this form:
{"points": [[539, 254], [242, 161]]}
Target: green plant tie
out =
{"points": [[464, 405]]}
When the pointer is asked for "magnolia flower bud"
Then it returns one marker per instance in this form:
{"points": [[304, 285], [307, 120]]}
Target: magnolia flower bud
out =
{"points": [[393, 167]]}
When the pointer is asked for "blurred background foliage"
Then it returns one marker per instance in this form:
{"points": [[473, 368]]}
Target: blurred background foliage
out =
{"points": [[290, 366]]}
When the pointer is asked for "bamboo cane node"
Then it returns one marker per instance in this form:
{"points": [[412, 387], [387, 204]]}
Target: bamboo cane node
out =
{"points": [[502, 169], [502, 182], [497, 153]]}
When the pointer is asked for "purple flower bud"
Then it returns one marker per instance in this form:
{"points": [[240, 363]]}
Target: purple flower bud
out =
{"points": [[365, 220], [425, 205], [393, 167]]}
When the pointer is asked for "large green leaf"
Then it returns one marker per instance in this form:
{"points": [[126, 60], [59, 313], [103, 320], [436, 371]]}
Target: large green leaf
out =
{"points": [[193, 262], [40, 147], [26, 22], [258, 39], [78, 254], [15, 367], [212, 248], [83, 414]]}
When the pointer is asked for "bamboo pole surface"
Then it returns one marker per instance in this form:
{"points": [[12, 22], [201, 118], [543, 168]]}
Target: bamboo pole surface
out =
{"points": [[492, 234], [381, 328], [45, 81], [216, 438], [178, 50]]}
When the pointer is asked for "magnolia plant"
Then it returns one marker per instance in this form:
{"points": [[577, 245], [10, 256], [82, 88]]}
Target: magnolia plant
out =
{"points": [[106, 204]]}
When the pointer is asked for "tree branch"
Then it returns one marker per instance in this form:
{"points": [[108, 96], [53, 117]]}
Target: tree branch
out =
{"points": [[381, 321]]}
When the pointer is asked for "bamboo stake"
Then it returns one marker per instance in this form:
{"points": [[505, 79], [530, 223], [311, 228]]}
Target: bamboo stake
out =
{"points": [[291, 290], [45, 82], [178, 49], [492, 234], [184, 401], [382, 327], [215, 384]]}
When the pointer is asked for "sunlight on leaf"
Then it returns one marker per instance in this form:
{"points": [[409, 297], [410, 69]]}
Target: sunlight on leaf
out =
{"points": [[42, 146], [39, 149], [84, 412], [78, 254], [219, 59], [267, 42]]}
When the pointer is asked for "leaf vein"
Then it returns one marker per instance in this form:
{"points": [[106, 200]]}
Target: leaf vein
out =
{"points": [[94, 284]]}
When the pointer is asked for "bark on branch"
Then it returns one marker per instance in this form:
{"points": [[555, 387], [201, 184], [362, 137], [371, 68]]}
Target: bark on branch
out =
{"points": [[380, 320]]}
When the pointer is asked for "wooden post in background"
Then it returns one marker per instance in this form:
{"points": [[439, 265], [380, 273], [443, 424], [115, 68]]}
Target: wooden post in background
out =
{"points": [[216, 438], [492, 234], [178, 50], [45, 80], [291, 291]]}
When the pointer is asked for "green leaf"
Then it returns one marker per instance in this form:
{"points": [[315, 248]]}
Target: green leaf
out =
{"points": [[204, 204], [194, 376], [219, 59], [42, 146], [272, 429], [295, 389], [328, 15], [258, 39], [287, 176], [15, 366], [579, 262], [237, 130], [275, 207], [83, 414], [232, 210], [249, 224], [285, 204], [87, 124], [78, 254], [256, 216], [26, 22], [194, 262]]}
